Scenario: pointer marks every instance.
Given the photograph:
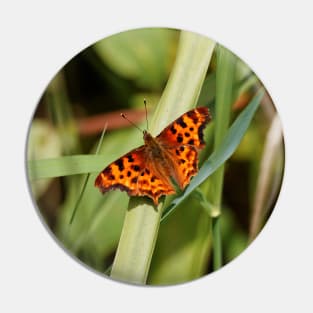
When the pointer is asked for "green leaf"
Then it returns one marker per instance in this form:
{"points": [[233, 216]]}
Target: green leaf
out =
{"points": [[82, 164], [64, 166], [225, 150], [86, 179]]}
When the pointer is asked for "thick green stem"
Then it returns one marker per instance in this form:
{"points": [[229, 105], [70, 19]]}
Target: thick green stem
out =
{"points": [[216, 243], [225, 71], [140, 229]]}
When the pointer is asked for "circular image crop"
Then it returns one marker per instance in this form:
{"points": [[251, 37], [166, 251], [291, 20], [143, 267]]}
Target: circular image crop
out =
{"points": [[155, 156]]}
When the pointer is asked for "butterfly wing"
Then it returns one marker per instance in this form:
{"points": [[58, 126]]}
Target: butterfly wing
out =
{"points": [[122, 173], [132, 173], [184, 164], [153, 185], [186, 130], [182, 140]]}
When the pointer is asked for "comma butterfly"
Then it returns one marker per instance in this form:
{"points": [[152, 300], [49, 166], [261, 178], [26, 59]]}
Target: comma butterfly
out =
{"points": [[146, 171]]}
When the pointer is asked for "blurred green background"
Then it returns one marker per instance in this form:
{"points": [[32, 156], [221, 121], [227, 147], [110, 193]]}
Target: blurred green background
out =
{"points": [[91, 90]]}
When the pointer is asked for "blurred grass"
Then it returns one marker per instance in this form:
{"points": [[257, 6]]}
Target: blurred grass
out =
{"points": [[144, 56], [112, 75], [43, 143]]}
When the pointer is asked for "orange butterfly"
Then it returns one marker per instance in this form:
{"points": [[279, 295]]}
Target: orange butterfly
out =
{"points": [[146, 171]]}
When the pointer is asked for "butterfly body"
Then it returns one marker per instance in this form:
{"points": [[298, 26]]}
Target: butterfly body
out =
{"points": [[147, 170], [153, 149]]}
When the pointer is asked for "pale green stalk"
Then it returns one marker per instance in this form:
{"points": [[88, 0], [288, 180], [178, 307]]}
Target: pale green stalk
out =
{"points": [[225, 71], [140, 229]]}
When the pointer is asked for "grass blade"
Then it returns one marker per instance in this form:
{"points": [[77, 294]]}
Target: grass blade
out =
{"points": [[87, 178], [64, 166]]}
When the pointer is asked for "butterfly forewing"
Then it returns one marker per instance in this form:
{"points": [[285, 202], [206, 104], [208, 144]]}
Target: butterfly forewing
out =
{"points": [[133, 173], [123, 173], [187, 129]]}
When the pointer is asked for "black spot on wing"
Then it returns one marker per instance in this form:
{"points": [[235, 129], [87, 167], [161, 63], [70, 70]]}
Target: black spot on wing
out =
{"points": [[134, 179], [173, 130], [193, 115], [136, 168], [120, 164], [181, 122], [200, 133], [179, 138], [130, 158]]}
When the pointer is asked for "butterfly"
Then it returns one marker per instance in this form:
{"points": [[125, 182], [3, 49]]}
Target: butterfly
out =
{"points": [[147, 170]]}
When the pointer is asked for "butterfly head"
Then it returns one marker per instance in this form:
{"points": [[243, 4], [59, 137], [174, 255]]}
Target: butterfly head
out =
{"points": [[146, 136], [150, 141]]}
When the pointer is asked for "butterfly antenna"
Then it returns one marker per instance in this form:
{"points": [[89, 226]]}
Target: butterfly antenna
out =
{"points": [[124, 116], [145, 102]]}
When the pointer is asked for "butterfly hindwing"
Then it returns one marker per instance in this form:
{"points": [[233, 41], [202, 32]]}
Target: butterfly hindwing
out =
{"points": [[152, 185], [185, 164]]}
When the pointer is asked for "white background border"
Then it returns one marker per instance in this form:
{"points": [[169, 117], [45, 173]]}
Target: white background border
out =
{"points": [[274, 39]]}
